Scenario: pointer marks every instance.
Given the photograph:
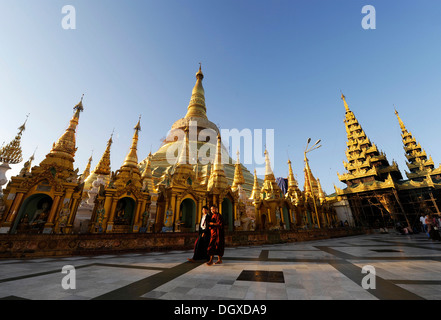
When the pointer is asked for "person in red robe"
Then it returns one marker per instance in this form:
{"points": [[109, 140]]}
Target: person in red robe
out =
{"points": [[216, 246]]}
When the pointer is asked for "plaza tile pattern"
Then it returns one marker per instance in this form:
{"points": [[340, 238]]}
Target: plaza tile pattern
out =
{"points": [[406, 268]]}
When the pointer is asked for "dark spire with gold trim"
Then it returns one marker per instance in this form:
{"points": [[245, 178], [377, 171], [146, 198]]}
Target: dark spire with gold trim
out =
{"points": [[417, 161]]}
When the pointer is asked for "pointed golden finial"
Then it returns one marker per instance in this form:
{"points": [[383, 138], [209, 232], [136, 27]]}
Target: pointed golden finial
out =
{"points": [[291, 180], [131, 159], [321, 193], [344, 101], [12, 153], [402, 126], [79, 107], [138, 125], [196, 107], [23, 126]]}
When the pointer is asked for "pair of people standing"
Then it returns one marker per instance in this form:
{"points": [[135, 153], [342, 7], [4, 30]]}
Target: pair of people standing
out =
{"points": [[211, 238]]}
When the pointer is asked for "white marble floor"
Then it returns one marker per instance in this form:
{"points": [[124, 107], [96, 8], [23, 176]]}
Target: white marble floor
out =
{"points": [[406, 267]]}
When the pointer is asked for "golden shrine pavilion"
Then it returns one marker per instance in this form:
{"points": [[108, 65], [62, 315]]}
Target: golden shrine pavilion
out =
{"points": [[156, 194]]}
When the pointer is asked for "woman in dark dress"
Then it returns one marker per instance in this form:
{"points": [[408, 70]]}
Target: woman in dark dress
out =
{"points": [[217, 238], [201, 244]]}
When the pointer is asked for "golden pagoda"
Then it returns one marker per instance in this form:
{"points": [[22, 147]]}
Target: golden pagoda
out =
{"points": [[121, 206], [203, 152], [191, 169], [46, 199], [270, 209]]}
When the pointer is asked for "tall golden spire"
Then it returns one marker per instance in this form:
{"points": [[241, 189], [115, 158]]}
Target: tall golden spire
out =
{"points": [[218, 179], [196, 107], [86, 172], [147, 177], [63, 151], [255, 194], [416, 156], [309, 179], [238, 175], [129, 172], [131, 159], [270, 186], [269, 175], [293, 191], [321, 193], [184, 157], [292, 183], [11, 153], [103, 166]]}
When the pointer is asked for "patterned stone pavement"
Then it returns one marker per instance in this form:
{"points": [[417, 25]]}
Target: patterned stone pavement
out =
{"points": [[405, 268]]}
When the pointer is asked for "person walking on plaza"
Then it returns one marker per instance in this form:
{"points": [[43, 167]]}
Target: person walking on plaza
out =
{"points": [[216, 246], [427, 224], [201, 244], [423, 223]]}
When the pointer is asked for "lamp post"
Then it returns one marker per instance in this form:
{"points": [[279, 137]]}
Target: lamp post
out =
{"points": [[313, 147]]}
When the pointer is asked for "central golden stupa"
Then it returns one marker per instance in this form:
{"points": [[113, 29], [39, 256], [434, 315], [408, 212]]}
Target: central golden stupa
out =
{"points": [[196, 118]]}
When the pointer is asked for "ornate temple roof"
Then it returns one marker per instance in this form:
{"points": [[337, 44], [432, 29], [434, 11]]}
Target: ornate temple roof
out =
{"points": [[365, 162], [417, 161]]}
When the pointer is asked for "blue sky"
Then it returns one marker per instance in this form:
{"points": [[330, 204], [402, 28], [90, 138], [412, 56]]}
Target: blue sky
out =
{"points": [[267, 64]]}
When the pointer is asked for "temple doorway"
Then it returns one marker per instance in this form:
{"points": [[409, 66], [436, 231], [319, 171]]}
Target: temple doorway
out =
{"points": [[125, 209], [160, 213], [263, 220], [286, 218], [188, 215]]}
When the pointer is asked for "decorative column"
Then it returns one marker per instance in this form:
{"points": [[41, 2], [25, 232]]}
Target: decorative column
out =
{"points": [[109, 222], [50, 220]]}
